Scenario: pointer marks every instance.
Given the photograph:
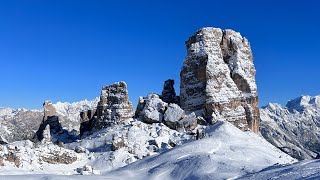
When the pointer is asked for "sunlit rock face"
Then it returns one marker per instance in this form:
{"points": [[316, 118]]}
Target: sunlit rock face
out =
{"points": [[114, 106], [217, 79]]}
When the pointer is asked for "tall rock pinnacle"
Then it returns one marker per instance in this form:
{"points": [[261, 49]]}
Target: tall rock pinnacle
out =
{"points": [[218, 78]]}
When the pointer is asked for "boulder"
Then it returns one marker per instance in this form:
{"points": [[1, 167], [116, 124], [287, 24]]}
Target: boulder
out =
{"points": [[153, 109], [217, 80], [173, 115], [189, 122]]}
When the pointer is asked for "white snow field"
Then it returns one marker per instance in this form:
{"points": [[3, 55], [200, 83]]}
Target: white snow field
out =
{"points": [[225, 153]]}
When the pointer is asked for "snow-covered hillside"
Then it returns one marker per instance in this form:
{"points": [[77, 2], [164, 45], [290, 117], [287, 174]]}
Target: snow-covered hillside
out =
{"points": [[295, 129], [225, 152], [308, 169]]}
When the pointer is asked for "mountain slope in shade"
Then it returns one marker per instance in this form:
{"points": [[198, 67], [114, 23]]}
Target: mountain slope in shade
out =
{"points": [[295, 129]]}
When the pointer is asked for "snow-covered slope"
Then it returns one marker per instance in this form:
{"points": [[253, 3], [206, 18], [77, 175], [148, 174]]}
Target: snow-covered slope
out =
{"points": [[308, 169], [20, 124], [295, 129], [225, 152]]}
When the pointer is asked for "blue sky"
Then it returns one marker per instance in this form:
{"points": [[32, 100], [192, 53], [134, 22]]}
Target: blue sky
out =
{"points": [[67, 50]]}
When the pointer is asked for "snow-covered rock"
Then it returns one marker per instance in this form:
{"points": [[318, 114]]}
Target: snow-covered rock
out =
{"points": [[151, 109], [114, 106], [295, 128], [173, 115], [46, 135], [28, 156], [190, 122], [217, 80]]}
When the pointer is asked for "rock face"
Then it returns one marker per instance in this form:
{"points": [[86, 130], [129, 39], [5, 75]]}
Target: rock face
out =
{"points": [[295, 128], [218, 78], [50, 120], [168, 92], [113, 108]]}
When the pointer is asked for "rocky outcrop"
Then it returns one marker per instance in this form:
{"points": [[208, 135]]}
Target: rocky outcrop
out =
{"points": [[295, 128], [217, 79], [113, 108], [50, 119], [51, 129], [86, 120], [168, 92], [26, 153]]}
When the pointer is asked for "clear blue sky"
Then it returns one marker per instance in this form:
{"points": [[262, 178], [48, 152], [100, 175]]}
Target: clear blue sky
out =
{"points": [[66, 50]]}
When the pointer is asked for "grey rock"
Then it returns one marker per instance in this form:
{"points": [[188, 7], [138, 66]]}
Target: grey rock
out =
{"points": [[217, 80], [114, 106], [189, 122], [153, 109], [173, 115]]}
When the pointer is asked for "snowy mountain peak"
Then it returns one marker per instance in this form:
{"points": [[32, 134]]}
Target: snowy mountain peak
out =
{"points": [[303, 102], [272, 106]]}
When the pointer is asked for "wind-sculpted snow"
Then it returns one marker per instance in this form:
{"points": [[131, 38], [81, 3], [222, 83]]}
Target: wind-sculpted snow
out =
{"points": [[294, 128], [308, 169]]}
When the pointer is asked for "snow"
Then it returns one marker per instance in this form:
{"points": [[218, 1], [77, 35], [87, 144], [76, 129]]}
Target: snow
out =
{"points": [[308, 169], [294, 128], [225, 152]]}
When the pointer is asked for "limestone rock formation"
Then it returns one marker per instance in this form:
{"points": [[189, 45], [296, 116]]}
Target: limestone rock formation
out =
{"points": [[49, 119], [218, 78], [51, 129], [168, 92], [114, 106]]}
